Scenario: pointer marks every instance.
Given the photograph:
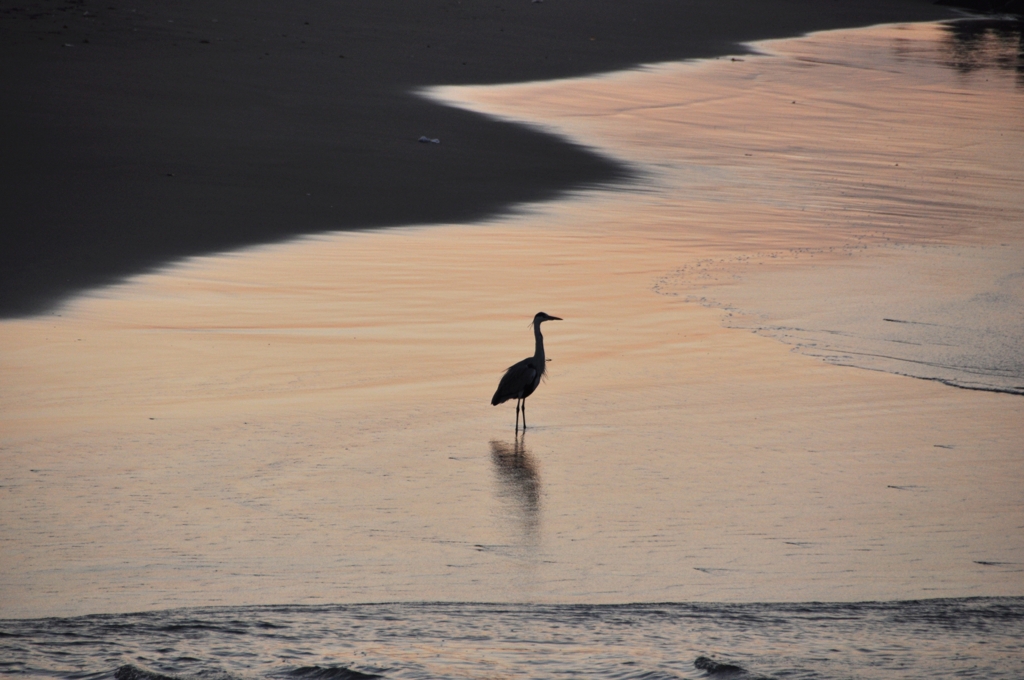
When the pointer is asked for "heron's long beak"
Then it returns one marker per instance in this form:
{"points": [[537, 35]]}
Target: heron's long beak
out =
{"points": [[554, 318]]}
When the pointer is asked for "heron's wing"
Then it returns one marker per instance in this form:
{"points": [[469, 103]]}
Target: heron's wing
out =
{"points": [[517, 378]]}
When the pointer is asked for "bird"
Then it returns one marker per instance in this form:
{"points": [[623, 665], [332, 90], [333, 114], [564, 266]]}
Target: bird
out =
{"points": [[521, 379]]}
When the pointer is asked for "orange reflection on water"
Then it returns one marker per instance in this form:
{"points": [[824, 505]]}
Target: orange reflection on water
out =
{"points": [[309, 422]]}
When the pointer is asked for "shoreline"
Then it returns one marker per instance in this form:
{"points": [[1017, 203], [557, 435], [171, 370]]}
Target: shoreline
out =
{"points": [[140, 138], [200, 609]]}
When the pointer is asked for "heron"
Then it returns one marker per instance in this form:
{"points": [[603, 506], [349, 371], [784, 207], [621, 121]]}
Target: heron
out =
{"points": [[521, 379]]}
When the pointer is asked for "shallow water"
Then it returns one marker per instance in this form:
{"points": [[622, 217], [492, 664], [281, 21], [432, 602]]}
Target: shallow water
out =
{"points": [[976, 638], [309, 423], [949, 314], [795, 168]]}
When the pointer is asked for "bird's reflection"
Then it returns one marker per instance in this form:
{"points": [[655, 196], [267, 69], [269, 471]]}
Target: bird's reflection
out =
{"points": [[518, 486]]}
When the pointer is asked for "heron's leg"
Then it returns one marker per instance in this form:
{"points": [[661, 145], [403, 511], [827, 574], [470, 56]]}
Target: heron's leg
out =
{"points": [[517, 414], [524, 415]]}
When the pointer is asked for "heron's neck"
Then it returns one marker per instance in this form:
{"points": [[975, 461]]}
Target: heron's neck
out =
{"points": [[538, 353]]}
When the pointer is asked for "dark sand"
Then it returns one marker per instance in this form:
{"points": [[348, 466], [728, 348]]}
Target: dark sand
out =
{"points": [[136, 133]]}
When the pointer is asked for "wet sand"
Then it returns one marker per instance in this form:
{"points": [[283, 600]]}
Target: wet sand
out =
{"points": [[830, 191], [135, 136], [309, 422]]}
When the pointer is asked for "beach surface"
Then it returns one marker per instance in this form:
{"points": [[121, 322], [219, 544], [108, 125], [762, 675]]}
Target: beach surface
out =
{"points": [[136, 135], [308, 422]]}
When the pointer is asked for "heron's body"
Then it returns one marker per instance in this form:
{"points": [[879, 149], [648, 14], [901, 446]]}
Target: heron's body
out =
{"points": [[521, 379]]}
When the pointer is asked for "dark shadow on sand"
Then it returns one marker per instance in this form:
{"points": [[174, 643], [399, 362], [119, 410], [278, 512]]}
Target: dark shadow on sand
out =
{"points": [[136, 134]]}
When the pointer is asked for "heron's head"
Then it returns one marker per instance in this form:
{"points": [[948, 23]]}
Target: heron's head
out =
{"points": [[542, 317]]}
